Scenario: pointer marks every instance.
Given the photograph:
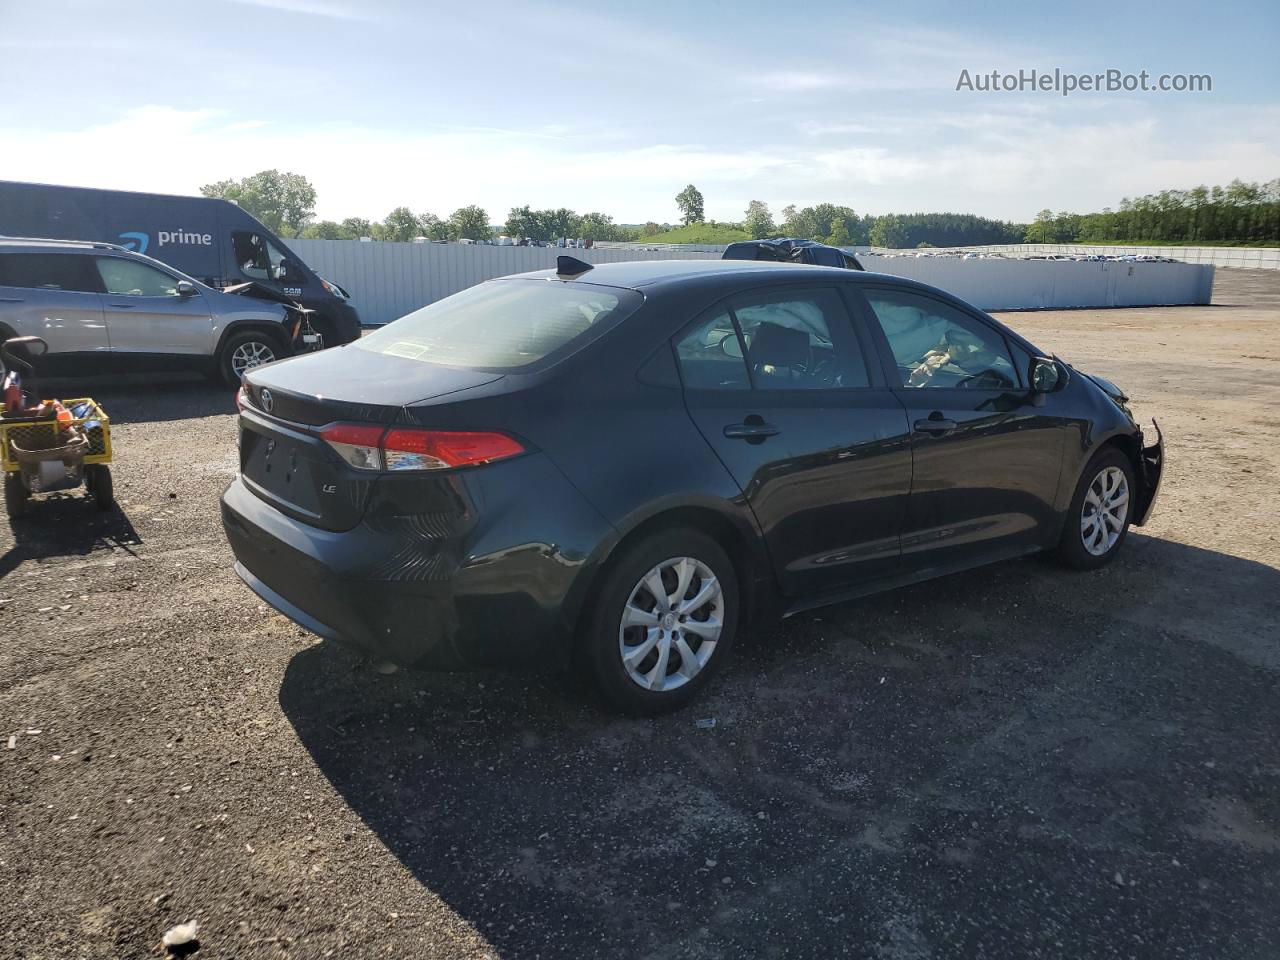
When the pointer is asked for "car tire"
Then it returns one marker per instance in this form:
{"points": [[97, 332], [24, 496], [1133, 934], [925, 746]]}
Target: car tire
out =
{"points": [[667, 654], [253, 347], [97, 481], [16, 495], [1100, 512]]}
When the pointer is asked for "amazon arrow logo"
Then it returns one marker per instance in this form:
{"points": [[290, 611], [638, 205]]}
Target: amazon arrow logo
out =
{"points": [[137, 242]]}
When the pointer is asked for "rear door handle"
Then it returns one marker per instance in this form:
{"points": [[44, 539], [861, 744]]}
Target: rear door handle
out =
{"points": [[751, 431], [12, 300], [121, 306], [939, 427]]}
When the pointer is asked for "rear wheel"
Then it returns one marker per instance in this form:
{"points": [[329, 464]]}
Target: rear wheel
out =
{"points": [[97, 480], [663, 622], [1098, 520], [16, 495], [243, 352]]}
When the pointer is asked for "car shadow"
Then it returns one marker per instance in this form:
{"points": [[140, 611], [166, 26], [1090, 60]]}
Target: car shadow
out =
{"points": [[146, 398], [854, 781], [66, 525]]}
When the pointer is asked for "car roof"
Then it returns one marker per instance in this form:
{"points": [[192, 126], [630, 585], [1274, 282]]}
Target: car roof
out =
{"points": [[654, 276], [634, 274]]}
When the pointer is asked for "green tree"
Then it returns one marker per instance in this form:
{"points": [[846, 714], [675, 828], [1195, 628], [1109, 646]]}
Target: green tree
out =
{"points": [[324, 230], [525, 222], [758, 220], [401, 225], [889, 231], [432, 227], [284, 202], [557, 223], [469, 223], [353, 228], [690, 202], [598, 226]]}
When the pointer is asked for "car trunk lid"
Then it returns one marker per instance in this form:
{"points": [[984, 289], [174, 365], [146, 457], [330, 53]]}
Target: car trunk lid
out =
{"points": [[285, 461]]}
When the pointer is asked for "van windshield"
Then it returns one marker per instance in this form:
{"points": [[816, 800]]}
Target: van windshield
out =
{"points": [[504, 324]]}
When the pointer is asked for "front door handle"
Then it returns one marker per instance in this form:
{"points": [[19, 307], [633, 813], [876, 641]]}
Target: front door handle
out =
{"points": [[11, 300], [753, 430], [936, 426], [121, 306]]}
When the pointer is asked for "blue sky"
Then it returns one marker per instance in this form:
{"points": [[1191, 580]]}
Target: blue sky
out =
{"points": [[616, 107]]}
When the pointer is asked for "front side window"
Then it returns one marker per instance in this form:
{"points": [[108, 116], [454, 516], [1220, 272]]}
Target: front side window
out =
{"points": [[936, 345], [47, 271], [129, 278], [257, 257], [799, 341], [504, 324]]}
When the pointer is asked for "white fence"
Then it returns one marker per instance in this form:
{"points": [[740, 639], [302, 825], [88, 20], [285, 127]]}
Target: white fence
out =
{"points": [[388, 280], [1055, 284]]}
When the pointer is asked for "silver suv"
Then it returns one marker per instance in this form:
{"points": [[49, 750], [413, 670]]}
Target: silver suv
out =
{"points": [[100, 306]]}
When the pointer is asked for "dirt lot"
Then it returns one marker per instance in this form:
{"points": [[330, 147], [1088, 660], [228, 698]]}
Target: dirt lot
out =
{"points": [[1016, 762]]}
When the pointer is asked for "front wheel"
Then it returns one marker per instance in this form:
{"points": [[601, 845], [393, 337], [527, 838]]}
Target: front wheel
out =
{"points": [[1098, 519], [244, 351], [97, 480], [663, 622]]}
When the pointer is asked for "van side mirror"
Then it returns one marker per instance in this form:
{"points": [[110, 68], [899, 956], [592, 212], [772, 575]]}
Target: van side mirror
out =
{"points": [[186, 288]]}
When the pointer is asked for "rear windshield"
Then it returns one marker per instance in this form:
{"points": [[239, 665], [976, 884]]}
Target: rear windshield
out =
{"points": [[504, 324]]}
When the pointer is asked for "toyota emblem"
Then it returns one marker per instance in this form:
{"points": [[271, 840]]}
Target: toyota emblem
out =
{"points": [[266, 400]]}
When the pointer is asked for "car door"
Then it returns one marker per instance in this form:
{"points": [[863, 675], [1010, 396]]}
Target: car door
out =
{"points": [[146, 312], [778, 382], [53, 296], [985, 458]]}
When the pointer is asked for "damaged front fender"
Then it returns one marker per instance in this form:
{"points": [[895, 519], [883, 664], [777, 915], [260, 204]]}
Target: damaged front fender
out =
{"points": [[1151, 469]]}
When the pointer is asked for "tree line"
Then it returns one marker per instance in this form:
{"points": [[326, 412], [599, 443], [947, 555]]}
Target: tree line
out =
{"points": [[1239, 212]]}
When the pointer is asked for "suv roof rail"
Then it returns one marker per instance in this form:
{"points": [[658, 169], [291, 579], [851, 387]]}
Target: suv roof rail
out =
{"points": [[95, 244]]}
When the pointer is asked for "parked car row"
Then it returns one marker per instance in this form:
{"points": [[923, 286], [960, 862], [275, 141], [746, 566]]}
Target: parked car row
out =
{"points": [[996, 255]]}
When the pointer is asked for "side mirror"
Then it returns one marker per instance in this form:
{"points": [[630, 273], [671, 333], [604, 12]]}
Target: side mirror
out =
{"points": [[186, 288], [730, 346], [1045, 377]]}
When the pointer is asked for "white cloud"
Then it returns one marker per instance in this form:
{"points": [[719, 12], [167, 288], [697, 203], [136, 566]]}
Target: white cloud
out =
{"points": [[1006, 163]]}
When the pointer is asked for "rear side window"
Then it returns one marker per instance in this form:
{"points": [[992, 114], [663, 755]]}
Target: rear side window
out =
{"points": [[129, 278], [711, 355], [800, 341], [48, 271], [504, 324]]}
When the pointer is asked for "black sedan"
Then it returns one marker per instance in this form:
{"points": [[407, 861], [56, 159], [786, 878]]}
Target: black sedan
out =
{"points": [[617, 467]]}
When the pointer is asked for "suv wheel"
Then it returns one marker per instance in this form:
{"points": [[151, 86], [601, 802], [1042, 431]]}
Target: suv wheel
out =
{"points": [[244, 351], [663, 622]]}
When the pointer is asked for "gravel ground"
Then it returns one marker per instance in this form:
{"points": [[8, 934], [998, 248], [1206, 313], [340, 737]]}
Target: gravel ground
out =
{"points": [[1014, 762]]}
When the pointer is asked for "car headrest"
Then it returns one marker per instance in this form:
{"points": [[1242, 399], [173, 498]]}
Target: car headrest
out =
{"points": [[779, 346]]}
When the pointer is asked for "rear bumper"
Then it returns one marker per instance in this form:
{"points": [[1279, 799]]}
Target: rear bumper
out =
{"points": [[424, 590]]}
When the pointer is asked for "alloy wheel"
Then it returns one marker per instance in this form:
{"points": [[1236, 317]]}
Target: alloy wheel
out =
{"points": [[250, 354], [671, 624], [1105, 509]]}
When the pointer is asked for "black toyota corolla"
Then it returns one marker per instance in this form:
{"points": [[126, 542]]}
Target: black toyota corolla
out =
{"points": [[619, 466]]}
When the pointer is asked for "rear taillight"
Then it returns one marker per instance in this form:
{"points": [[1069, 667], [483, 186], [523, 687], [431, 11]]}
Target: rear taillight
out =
{"points": [[402, 448]]}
